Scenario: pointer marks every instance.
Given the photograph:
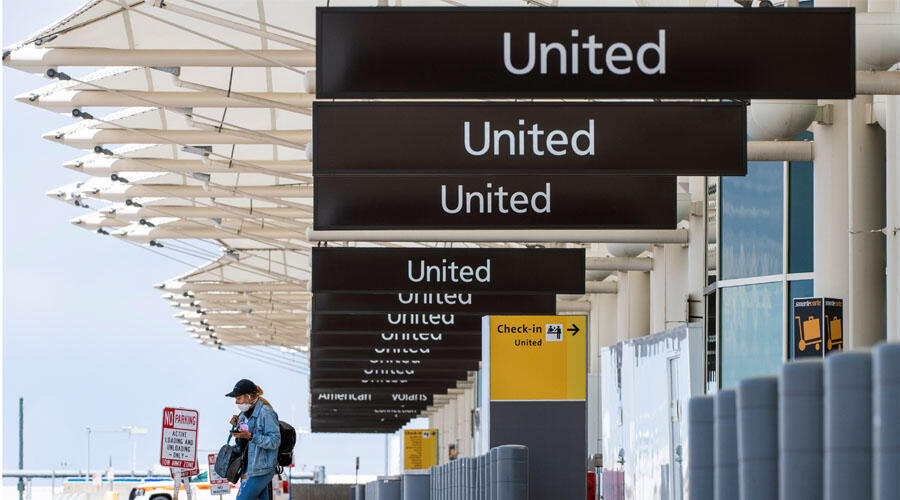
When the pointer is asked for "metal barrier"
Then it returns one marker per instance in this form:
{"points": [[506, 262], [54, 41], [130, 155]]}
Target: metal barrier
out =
{"points": [[500, 474], [823, 429]]}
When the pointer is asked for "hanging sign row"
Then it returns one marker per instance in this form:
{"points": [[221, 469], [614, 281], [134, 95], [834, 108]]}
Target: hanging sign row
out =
{"points": [[495, 52]]}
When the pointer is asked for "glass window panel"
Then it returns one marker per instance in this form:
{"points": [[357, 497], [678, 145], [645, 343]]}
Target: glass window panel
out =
{"points": [[752, 219], [800, 214], [751, 331], [796, 289]]}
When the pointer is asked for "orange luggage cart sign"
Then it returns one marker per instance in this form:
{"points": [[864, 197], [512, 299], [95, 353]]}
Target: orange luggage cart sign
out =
{"points": [[816, 326]]}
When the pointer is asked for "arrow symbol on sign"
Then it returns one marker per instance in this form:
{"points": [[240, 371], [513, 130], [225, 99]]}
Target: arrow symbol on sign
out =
{"points": [[574, 329]]}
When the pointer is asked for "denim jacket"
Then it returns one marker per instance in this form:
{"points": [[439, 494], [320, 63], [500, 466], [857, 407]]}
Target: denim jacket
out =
{"points": [[262, 452]]}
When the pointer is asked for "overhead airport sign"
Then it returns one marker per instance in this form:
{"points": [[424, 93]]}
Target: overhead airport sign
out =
{"points": [[520, 138], [476, 270], [370, 398], [354, 364], [533, 201], [396, 322], [467, 358], [584, 52], [352, 340], [394, 382], [457, 303]]}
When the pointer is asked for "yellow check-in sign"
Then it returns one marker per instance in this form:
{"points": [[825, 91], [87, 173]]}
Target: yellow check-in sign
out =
{"points": [[419, 449], [537, 357]]}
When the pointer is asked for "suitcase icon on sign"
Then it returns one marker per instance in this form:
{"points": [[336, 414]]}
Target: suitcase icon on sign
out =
{"points": [[810, 333], [835, 334]]}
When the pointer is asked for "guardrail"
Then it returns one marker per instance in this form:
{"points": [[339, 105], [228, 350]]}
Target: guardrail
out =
{"points": [[500, 474], [820, 429]]}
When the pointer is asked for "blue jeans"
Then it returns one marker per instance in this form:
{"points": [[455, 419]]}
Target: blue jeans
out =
{"points": [[256, 487]]}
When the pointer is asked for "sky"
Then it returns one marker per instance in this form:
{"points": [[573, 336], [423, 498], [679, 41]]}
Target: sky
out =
{"points": [[87, 340]]}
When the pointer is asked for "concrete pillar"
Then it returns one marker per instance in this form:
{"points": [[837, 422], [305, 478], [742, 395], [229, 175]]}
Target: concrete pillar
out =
{"points": [[658, 278], [830, 206], [603, 321], [633, 304], [867, 217], [696, 260], [849, 204]]}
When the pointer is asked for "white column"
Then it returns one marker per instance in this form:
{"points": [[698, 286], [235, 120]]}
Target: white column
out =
{"points": [[866, 302], [658, 279], [892, 132], [830, 206], [633, 304]]}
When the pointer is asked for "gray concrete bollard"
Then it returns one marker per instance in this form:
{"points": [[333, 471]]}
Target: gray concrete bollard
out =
{"points": [[512, 472], [800, 434], [848, 425], [700, 448], [415, 486], [492, 457], [725, 482], [472, 467], [885, 418], [757, 431], [479, 475]]}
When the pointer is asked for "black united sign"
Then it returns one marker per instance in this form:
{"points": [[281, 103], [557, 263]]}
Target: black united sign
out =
{"points": [[476, 270], [535, 201], [458, 303], [521, 138], [584, 52]]}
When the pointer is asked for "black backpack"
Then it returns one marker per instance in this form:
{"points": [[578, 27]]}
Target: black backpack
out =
{"points": [[286, 448]]}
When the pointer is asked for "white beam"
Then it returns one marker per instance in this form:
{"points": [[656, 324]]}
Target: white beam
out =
{"points": [[232, 287], [64, 101], [31, 58], [878, 82], [618, 264], [100, 165], [87, 138], [601, 287], [780, 150]]}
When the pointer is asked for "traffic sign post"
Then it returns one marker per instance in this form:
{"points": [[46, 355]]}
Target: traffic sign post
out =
{"points": [[218, 485], [178, 445], [534, 394]]}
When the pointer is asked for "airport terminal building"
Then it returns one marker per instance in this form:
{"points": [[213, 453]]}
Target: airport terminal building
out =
{"points": [[196, 139]]}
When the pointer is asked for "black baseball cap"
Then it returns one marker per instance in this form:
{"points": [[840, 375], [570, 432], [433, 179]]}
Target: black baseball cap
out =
{"points": [[243, 386]]}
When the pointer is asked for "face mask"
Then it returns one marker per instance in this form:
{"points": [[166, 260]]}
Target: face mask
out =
{"points": [[245, 406]]}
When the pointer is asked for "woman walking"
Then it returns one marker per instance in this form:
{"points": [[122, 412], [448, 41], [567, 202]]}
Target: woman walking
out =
{"points": [[258, 435]]}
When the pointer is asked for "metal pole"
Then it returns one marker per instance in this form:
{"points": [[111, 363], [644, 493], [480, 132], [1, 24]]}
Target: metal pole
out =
{"points": [[21, 447], [386, 457], [87, 474]]}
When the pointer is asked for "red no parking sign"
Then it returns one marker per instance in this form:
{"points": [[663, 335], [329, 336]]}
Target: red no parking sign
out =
{"points": [[178, 447]]}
